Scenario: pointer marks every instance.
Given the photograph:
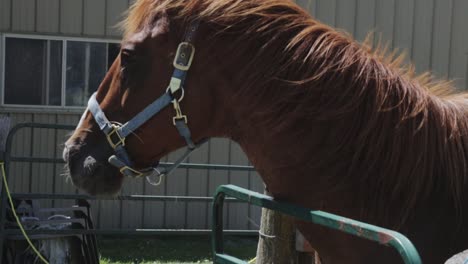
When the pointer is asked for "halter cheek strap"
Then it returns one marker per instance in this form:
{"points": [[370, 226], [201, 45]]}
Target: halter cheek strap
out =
{"points": [[117, 133]]}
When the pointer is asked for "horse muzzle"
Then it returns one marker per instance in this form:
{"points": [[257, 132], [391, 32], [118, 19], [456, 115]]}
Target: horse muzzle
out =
{"points": [[89, 170]]}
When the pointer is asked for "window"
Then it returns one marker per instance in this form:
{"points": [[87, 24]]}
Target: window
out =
{"points": [[33, 71], [54, 72], [86, 66]]}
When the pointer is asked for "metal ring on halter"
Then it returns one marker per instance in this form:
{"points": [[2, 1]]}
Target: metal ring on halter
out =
{"points": [[159, 175], [181, 96]]}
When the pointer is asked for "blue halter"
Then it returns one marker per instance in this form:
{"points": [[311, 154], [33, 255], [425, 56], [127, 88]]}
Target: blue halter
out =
{"points": [[117, 133]]}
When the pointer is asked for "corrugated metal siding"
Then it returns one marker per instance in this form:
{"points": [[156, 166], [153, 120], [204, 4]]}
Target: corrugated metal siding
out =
{"points": [[1, 67], [5, 14], [71, 17], [432, 32], [459, 43], [94, 17], [23, 17], [48, 19], [114, 12], [91, 18]]}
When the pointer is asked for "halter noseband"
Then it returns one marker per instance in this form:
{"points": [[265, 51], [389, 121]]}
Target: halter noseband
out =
{"points": [[117, 133]]}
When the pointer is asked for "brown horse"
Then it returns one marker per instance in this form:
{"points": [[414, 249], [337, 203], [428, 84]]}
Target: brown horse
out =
{"points": [[328, 123]]}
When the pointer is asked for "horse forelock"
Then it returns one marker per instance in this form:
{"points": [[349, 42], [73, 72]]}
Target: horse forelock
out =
{"points": [[407, 133]]}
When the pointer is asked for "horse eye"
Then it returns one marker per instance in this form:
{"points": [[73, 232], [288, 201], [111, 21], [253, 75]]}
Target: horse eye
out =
{"points": [[127, 63], [127, 57]]}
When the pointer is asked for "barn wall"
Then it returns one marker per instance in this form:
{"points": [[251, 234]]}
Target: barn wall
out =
{"points": [[432, 32], [84, 18]]}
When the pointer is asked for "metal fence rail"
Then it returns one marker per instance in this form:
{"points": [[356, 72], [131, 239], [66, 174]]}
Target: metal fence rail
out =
{"points": [[380, 235]]}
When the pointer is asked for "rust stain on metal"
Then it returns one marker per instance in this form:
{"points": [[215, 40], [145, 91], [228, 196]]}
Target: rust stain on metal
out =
{"points": [[359, 230], [384, 238], [342, 225]]}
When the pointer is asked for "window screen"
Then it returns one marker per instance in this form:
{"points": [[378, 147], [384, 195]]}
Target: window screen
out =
{"points": [[33, 71], [86, 67]]}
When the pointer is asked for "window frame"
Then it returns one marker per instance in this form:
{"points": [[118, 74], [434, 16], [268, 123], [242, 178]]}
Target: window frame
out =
{"points": [[65, 40]]}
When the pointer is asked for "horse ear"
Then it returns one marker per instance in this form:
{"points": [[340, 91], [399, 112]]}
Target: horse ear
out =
{"points": [[160, 24]]}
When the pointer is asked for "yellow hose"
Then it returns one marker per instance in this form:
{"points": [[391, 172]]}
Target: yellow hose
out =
{"points": [[252, 261], [2, 165]]}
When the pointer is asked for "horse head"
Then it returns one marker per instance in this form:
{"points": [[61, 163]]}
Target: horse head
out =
{"points": [[162, 76]]}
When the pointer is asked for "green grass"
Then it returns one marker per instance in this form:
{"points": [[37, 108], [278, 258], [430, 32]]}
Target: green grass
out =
{"points": [[169, 250]]}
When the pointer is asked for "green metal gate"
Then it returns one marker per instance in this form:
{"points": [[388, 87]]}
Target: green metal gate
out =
{"points": [[380, 235]]}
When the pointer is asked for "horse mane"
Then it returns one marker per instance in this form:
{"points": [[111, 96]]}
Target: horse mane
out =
{"points": [[406, 134]]}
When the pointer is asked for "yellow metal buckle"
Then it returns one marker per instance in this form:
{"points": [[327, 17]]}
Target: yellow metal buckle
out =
{"points": [[179, 115], [184, 56], [137, 173], [114, 134], [182, 117]]}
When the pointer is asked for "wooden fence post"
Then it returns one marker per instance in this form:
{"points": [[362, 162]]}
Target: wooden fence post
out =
{"points": [[277, 239]]}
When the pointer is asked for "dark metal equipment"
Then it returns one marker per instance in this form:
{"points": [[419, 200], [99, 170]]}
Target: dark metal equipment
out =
{"points": [[57, 248], [24, 214]]}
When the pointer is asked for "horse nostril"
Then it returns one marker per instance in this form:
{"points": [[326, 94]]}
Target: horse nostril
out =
{"points": [[90, 164], [89, 161]]}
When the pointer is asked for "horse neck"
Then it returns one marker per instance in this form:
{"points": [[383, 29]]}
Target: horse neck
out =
{"points": [[323, 158], [292, 155], [289, 156]]}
